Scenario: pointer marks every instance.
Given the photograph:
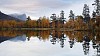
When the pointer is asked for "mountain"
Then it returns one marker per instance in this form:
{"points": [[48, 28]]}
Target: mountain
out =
{"points": [[19, 16], [7, 17]]}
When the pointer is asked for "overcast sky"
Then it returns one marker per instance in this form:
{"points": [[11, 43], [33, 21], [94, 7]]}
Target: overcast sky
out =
{"points": [[39, 8]]}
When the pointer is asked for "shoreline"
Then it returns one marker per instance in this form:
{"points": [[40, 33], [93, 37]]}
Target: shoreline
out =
{"points": [[59, 29]]}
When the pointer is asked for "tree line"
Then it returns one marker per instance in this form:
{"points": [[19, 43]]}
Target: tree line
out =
{"points": [[44, 22]]}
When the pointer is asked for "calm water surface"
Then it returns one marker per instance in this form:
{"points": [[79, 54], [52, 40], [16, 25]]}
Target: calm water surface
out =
{"points": [[49, 43]]}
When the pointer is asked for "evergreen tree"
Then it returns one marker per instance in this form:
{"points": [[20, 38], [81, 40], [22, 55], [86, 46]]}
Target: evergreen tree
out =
{"points": [[86, 13]]}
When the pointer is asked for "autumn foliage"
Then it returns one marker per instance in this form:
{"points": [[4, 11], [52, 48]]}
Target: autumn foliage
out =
{"points": [[43, 22]]}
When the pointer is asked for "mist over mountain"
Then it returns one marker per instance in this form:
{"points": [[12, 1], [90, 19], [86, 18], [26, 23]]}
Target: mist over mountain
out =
{"points": [[7, 17], [19, 16]]}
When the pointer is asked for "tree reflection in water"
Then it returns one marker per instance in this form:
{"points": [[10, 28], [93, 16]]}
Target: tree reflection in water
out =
{"points": [[55, 36], [86, 44]]}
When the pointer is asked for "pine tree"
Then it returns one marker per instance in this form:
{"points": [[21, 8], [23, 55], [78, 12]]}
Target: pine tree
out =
{"points": [[71, 15], [86, 13], [97, 5]]}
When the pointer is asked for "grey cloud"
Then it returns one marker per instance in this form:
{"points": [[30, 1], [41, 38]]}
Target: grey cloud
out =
{"points": [[34, 3], [53, 3], [38, 7]]}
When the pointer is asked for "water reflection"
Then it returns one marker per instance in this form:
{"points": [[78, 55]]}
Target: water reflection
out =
{"points": [[87, 39], [19, 38]]}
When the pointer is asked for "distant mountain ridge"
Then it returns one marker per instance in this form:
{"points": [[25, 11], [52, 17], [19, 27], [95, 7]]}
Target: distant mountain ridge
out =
{"points": [[7, 17], [19, 16]]}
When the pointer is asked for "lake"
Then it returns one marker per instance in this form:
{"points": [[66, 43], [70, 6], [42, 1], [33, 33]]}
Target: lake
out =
{"points": [[49, 43]]}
